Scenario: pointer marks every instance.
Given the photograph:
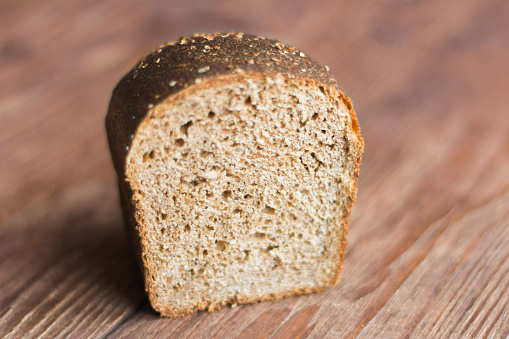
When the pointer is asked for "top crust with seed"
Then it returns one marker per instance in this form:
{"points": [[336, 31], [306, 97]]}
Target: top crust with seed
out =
{"points": [[179, 64]]}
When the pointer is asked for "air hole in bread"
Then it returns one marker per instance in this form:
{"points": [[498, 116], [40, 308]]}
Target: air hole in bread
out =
{"points": [[221, 245], [148, 156], [258, 236], [249, 101], [184, 128], [269, 210], [269, 248], [198, 181]]}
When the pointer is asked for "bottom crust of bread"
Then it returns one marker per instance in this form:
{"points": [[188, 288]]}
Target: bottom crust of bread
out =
{"points": [[166, 311]]}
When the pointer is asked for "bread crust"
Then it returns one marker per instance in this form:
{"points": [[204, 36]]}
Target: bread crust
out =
{"points": [[179, 64], [182, 66]]}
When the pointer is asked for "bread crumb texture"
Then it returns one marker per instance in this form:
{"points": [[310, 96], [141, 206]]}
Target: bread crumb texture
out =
{"points": [[239, 187]]}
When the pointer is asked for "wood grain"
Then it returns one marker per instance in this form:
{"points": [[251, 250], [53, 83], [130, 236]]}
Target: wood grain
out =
{"points": [[429, 238]]}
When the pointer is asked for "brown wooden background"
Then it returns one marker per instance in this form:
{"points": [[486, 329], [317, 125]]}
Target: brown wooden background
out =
{"points": [[429, 239]]}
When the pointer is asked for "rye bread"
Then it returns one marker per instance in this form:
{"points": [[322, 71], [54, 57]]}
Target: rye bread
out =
{"points": [[237, 158]]}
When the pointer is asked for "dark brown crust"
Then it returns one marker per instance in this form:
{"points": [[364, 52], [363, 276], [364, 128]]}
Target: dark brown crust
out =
{"points": [[178, 65]]}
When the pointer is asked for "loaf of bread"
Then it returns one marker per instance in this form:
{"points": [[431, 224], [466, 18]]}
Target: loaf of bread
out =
{"points": [[237, 158]]}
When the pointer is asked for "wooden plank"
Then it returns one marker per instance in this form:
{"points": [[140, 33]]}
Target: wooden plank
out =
{"points": [[77, 276], [454, 274], [428, 253]]}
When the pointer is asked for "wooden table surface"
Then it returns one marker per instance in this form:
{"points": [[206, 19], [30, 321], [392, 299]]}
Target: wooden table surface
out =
{"points": [[429, 239]]}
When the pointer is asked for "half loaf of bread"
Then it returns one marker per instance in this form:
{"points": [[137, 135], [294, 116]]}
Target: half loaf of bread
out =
{"points": [[237, 158]]}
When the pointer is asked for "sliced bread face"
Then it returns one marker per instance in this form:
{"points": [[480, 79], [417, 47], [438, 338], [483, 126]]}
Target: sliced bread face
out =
{"points": [[238, 188]]}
